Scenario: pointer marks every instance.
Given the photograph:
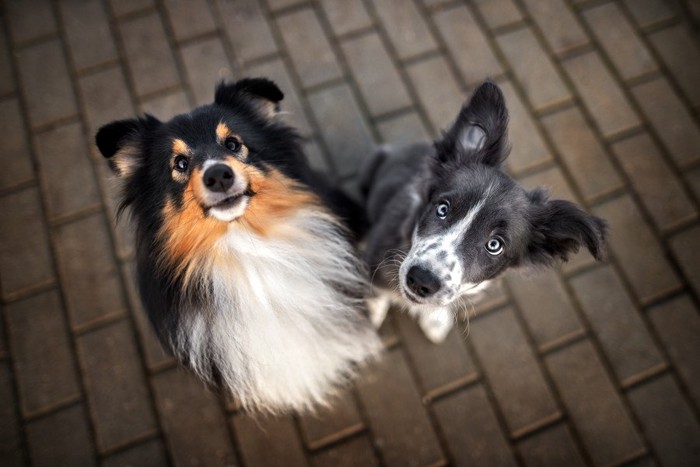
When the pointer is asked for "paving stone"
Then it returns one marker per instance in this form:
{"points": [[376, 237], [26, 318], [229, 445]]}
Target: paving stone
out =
{"points": [[649, 274], [553, 180], [14, 152], [558, 24], [29, 19], [115, 385], [601, 95], [189, 18], [458, 414], [7, 79], [316, 158], [617, 37], [89, 275], [670, 118], [582, 152], [65, 170], [654, 182], [546, 306], [268, 441], [344, 130], [246, 28], [357, 451], [406, 27], [693, 178], [436, 365], [206, 65], [346, 17], [649, 12], [685, 249], [293, 110], [308, 47], [512, 370], [404, 128], [399, 424], [126, 7], [148, 55], [593, 405], [150, 453], [438, 91], [533, 68], [467, 44], [154, 354], [42, 354], [25, 258], [3, 341], [677, 324], [200, 440], [377, 78], [680, 52], [499, 13], [46, 99], [528, 147], [10, 434], [167, 106], [554, 446], [276, 5], [668, 421], [342, 415], [616, 322], [62, 438], [87, 29], [105, 98]]}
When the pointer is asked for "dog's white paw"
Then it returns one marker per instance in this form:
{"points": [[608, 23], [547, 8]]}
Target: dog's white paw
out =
{"points": [[378, 307], [436, 324]]}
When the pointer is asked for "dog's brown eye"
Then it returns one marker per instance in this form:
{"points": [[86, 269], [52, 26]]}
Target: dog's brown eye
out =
{"points": [[442, 209], [495, 246], [232, 144], [181, 164]]}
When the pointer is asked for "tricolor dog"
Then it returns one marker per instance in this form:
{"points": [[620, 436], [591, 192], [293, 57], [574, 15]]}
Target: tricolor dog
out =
{"points": [[446, 219]]}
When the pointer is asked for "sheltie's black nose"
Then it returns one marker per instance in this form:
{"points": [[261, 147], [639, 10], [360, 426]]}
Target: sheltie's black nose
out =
{"points": [[422, 282], [218, 178]]}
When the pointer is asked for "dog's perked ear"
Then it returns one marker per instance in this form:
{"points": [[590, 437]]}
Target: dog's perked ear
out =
{"points": [[120, 142], [261, 91], [480, 132], [559, 228]]}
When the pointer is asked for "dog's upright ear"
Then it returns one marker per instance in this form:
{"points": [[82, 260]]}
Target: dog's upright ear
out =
{"points": [[121, 142], [262, 92], [559, 228], [480, 132]]}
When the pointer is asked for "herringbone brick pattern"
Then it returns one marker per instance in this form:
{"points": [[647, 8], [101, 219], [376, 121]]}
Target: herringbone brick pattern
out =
{"points": [[587, 364]]}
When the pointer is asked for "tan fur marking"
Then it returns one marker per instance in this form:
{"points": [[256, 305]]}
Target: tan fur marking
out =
{"points": [[126, 160], [180, 147], [222, 132], [276, 197], [188, 233]]}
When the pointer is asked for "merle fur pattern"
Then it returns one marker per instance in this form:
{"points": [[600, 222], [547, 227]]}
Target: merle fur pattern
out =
{"points": [[426, 261]]}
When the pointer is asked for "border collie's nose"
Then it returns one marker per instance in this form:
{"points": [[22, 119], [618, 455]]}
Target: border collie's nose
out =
{"points": [[218, 178], [422, 282]]}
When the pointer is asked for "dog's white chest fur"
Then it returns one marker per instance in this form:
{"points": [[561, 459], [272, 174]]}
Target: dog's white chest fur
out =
{"points": [[279, 330]]}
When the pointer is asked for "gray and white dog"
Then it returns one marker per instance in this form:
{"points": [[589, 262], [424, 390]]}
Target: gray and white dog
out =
{"points": [[445, 219]]}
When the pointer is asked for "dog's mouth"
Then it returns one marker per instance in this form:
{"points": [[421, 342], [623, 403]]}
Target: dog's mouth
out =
{"points": [[232, 201]]}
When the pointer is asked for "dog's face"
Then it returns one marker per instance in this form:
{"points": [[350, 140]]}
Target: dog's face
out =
{"points": [[477, 221]]}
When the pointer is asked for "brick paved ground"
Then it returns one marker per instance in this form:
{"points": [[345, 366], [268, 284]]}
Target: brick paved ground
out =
{"points": [[588, 364]]}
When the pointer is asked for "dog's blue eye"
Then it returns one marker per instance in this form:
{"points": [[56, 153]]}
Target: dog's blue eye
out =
{"points": [[181, 163], [494, 246], [232, 144], [442, 209]]}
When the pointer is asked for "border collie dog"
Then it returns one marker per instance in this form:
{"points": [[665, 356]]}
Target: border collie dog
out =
{"points": [[245, 261], [446, 219]]}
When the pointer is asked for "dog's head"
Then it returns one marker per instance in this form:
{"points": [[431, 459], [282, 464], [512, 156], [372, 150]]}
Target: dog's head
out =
{"points": [[477, 221], [189, 179]]}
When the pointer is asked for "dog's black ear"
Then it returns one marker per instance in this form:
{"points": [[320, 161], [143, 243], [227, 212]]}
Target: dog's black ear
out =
{"points": [[559, 228], [261, 91], [480, 133], [120, 142]]}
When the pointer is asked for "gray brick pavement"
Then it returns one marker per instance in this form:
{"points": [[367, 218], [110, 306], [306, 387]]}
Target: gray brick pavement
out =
{"points": [[584, 364]]}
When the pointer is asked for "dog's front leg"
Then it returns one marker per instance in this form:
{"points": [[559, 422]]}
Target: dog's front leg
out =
{"points": [[378, 307], [436, 323]]}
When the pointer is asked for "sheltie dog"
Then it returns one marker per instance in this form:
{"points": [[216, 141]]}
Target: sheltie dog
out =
{"points": [[446, 219], [245, 260]]}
